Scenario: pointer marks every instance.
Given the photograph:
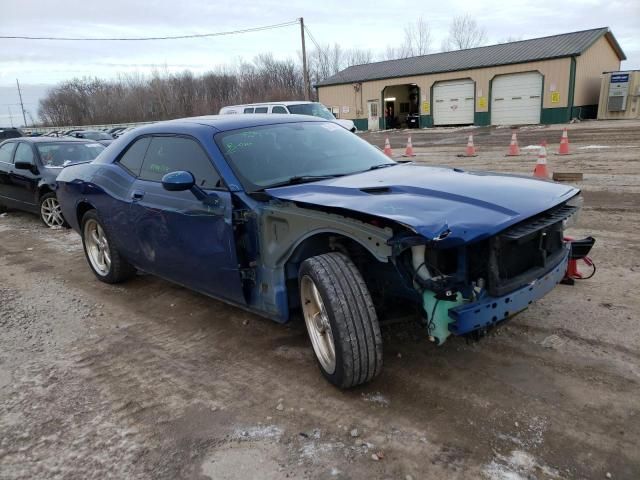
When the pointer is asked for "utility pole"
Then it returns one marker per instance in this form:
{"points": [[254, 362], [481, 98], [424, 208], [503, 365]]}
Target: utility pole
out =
{"points": [[10, 114], [24, 117], [305, 71]]}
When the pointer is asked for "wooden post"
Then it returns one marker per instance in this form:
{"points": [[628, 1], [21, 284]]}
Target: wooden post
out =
{"points": [[305, 71]]}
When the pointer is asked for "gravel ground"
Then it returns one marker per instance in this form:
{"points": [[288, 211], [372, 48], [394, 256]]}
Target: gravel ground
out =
{"points": [[148, 380]]}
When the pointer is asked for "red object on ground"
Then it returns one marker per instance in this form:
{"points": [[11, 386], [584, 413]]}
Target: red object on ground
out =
{"points": [[572, 269], [471, 150], [387, 148], [541, 165], [409, 151], [579, 251], [514, 149], [564, 143]]}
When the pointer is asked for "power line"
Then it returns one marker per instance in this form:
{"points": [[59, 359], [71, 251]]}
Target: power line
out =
{"points": [[312, 38], [144, 39]]}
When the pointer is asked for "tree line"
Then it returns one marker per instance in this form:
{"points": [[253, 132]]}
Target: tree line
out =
{"points": [[163, 95]]}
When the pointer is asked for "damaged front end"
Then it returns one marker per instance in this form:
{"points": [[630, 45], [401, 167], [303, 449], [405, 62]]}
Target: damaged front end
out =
{"points": [[469, 288]]}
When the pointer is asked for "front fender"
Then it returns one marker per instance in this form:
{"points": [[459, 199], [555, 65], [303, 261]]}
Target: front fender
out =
{"points": [[284, 226]]}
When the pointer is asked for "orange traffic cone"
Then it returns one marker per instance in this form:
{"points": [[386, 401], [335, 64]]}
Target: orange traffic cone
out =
{"points": [[387, 148], [514, 149], [564, 143], [471, 150], [541, 165], [409, 151]]}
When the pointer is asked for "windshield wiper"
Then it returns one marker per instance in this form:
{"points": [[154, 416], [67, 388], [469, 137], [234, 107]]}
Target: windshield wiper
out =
{"points": [[295, 180], [382, 165]]}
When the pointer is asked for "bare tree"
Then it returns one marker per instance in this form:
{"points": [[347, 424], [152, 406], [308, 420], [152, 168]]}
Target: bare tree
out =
{"points": [[164, 95], [328, 60], [464, 32], [511, 38], [417, 41], [417, 38]]}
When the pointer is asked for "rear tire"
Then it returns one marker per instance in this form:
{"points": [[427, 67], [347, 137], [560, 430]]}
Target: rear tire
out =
{"points": [[339, 313], [103, 258]]}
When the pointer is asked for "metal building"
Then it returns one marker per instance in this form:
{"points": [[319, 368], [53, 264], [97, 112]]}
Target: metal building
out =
{"points": [[542, 80]]}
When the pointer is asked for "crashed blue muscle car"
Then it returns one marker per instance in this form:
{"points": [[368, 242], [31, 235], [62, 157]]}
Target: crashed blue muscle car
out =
{"points": [[290, 214]]}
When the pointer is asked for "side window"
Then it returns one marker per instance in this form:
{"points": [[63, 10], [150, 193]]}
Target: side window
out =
{"points": [[262, 109], [279, 109], [6, 151], [24, 153], [133, 157], [248, 110], [169, 154]]}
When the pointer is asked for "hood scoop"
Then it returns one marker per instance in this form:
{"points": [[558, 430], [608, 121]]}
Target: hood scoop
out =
{"points": [[376, 190]]}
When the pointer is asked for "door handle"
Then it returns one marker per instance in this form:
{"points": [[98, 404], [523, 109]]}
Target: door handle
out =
{"points": [[137, 195]]}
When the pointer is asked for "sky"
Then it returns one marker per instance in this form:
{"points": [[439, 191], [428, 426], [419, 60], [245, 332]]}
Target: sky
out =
{"points": [[374, 25]]}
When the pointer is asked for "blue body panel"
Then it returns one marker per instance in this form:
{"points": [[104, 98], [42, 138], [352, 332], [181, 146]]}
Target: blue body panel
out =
{"points": [[488, 311], [431, 200]]}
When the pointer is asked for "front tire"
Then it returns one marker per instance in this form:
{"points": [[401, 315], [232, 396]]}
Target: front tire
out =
{"points": [[341, 320], [50, 211], [103, 258]]}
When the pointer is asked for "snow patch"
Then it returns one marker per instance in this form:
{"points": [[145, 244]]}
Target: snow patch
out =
{"points": [[376, 397], [519, 465], [315, 451], [258, 432]]}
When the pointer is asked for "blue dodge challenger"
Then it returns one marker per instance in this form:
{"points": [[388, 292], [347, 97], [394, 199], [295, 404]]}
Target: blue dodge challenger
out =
{"points": [[286, 214]]}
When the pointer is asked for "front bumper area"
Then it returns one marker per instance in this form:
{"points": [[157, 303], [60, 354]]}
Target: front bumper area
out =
{"points": [[488, 311]]}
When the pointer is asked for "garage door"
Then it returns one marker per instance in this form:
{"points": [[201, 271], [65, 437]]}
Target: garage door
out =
{"points": [[516, 99], [453, 102]]}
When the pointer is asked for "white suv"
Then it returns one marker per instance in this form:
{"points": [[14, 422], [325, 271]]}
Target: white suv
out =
{"points": [[314, 109]]}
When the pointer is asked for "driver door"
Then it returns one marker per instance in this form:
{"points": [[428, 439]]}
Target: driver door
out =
{"points": [[177, 236], [23, 184]]}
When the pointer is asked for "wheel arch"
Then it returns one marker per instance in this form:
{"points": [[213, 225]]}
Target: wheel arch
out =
{"points": [[82, 208], [321, 242], [43, 189]]}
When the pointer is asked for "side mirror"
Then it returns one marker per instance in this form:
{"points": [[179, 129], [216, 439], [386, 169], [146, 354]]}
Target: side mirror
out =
{"points": [[25, 166], [178, 181]]}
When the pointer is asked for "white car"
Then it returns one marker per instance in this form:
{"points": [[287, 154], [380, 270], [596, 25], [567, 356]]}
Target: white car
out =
{"points": [[314, 109]]}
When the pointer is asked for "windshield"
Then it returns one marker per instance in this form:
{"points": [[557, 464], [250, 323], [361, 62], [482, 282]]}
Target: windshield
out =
{"points": [[56, 154], [271, 155], [313, 109], [97, 136]]}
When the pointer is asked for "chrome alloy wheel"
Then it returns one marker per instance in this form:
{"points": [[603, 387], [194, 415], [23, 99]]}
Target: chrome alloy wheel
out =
{"points": [[97, 247], [318, 325], [51, 212]]}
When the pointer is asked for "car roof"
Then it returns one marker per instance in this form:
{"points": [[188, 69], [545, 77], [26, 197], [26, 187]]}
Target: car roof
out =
{"points": [[44, 139], [233, 122], [286, 103]]}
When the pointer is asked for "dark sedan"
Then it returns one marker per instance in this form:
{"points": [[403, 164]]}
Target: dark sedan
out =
{"points": [[28, 171]]}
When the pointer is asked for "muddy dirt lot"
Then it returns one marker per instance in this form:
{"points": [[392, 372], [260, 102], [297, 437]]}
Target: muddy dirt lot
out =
{"points": [[148, 380]]}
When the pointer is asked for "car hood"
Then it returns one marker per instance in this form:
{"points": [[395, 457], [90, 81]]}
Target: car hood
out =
{"points": [[449, 206]]}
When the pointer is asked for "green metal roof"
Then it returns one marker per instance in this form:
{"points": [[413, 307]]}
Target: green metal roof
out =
{"points": [[545, 48]]}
